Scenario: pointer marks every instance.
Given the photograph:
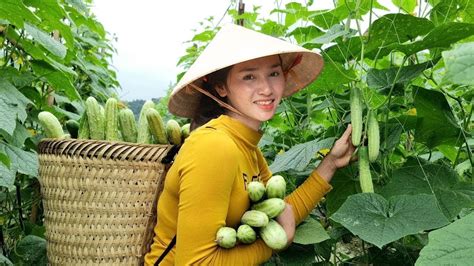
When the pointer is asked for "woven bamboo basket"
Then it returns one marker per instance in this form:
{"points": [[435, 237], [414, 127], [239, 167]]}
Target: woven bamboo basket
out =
{"points": [[99, 200]]}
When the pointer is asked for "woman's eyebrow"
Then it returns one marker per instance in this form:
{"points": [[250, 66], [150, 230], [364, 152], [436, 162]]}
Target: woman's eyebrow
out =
{"points": [[249, 69]]}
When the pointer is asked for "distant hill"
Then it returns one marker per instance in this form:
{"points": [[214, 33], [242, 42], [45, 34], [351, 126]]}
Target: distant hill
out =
{"points": [[136, 106]]}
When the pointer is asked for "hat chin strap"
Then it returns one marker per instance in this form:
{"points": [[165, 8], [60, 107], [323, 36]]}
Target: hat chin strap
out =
{"points": [[220, 102]]}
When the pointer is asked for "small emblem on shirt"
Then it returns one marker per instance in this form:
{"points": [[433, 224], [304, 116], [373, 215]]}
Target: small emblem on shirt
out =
{"points": [[248, 180]]}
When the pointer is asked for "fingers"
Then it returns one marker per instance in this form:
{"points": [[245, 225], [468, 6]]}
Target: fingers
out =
{"points": [[346, 135]]}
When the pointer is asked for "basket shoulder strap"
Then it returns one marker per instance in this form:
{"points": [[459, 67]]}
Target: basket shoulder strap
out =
{"points": [[167, 250]]}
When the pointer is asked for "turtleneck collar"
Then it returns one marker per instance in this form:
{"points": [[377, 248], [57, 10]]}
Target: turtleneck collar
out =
{"points": [[238, 129]]}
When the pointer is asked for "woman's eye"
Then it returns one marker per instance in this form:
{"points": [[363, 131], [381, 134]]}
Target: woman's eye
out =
{"points": [[249, 77], [275, 74]]}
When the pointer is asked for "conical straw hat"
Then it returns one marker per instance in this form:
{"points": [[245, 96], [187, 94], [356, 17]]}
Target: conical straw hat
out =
{"points": [[235, 44]]}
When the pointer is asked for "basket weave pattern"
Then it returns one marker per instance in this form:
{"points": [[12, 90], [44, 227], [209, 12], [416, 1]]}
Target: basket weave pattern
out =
{"points": [[99, 200]]}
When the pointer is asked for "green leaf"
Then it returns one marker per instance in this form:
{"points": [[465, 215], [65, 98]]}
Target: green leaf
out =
{"points": [[333, 33], [380, 221], [299, 156], [297, 255], [328, 18], [204, 36], [459, 64], [7, 176], [310, 232], [5, 160], [32, 250], [24, 162], [12, 106], [344, 50], [406, 5], [52, 15], [5, 261], [446, 11], [16, 13], [343, 184], [436, 122], [60, 81], [305, 34], [78, 5], [451, 245], [7, 117], [46, 41], [20, 134], [17, 78], [395, 29], [333, 75], [448, 33], [438, 180], [37, 52], [440, 37], [385, 78]]}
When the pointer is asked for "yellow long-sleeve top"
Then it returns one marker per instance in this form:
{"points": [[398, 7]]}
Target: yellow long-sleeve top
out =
{"points": [[205, 189]]}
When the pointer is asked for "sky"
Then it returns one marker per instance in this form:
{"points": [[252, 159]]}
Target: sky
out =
{"points": [[151, 37]]}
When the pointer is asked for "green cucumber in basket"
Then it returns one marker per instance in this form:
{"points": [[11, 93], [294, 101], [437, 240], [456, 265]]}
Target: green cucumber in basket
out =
{"points": [[156, 126], [144, 135], [96, 119], [128, 125], [111, 120], [51, 125]]}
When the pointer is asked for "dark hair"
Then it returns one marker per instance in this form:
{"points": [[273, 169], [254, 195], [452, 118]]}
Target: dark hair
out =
{"points": [[208, 108]]}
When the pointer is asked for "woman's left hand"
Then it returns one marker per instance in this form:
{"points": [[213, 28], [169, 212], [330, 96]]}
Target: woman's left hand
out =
{"points": [[339, 156]]}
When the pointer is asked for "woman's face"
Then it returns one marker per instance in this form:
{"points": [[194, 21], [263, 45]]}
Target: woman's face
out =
{"points": [[254, 88]]}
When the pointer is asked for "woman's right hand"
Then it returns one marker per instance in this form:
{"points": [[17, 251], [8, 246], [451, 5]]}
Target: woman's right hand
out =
{"points": [[287, 220]]}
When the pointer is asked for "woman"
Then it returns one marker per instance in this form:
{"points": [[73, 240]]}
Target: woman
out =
{"points": [[233, 87]]}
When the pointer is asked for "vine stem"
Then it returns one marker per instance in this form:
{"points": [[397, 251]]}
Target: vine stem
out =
{"points": [[2, 241], [20, 210]]}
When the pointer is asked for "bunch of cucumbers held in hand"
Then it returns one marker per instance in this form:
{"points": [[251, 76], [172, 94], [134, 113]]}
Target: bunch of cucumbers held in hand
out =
{"points": [[370, 152], [113, 123], [267, 204]]}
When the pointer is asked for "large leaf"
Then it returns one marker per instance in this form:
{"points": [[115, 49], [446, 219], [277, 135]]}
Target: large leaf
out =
{"points": [[343, 184], [299, 156], [333, 33], [7, 117], [385, 78], [12, 106], [32, 250], [451, 245], [24, 162], [345, 50], [310, 232], [5, 261], [440, 37], [15, 77], [406, 5], [60, 81], [46, 41], [437, 124], [5, 160], [380, 221], [447, 11], [417, 177], [333, 76], [52, 15], [7, 176], [16, 13], [460, 64], [20, 134], [328, 18], [395, 29], [37, 52]]}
